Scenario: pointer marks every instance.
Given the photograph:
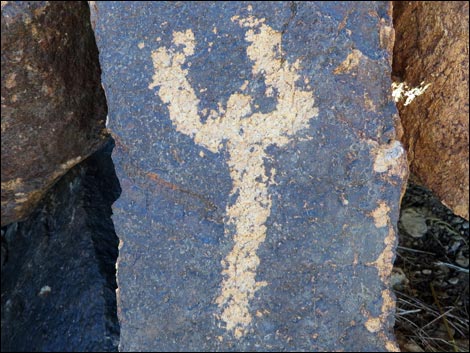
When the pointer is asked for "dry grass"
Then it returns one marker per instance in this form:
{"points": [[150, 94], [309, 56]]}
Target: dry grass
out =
{"points": [[422, 324], [432, 302]]}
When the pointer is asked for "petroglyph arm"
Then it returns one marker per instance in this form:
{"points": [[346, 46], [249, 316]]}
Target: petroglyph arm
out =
{"points": [[294, 107], [175, 90]]}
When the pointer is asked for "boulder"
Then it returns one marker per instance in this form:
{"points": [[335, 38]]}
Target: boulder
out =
{"points": [[58, 267], [431, 73], [260, 170], [53, 107]]}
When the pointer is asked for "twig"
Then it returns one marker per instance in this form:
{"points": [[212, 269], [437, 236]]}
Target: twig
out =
{"points": [[405, 312], [437, 318], [455, 267], [445, 224], [451, 336], [414, 250]]}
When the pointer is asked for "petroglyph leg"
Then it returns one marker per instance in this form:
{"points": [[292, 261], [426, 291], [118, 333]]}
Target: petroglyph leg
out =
{"points": [[248, 214]]}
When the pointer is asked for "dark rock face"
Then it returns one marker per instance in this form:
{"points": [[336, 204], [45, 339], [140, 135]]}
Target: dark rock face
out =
{"points": [[431, 55], [53, 106], [255, 146], [58, 267]]}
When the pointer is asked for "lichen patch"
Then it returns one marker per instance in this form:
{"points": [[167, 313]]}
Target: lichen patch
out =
{"points": [[384, 262], [369, 103], [384, 265], [13, 184], [386, 35], [351, 62], [375, 324], [388, 157], [380, 215], [71, 162], [402, 90], [391, 346], [247, 134], [10, 81]]}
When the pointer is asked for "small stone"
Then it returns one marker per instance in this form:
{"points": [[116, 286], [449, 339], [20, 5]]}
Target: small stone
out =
{"points": [[443, 269], [45, 291], [426, 271], [398, 278], [412, 347], [413, 222], [453, 280], [455, 245], [461, 260]]}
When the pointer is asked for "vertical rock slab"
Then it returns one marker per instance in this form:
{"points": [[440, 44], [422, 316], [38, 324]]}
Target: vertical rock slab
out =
{"points": [[261, 177], [431, 60], [58, 275], [53, 106]]}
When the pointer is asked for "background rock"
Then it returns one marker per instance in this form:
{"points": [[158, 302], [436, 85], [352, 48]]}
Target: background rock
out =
{"points": [[432, 48], [53, 107], [238, 232], [58, 267]]}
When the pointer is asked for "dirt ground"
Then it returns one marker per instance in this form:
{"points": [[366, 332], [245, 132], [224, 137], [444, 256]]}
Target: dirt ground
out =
{"points": [[431, 276]]}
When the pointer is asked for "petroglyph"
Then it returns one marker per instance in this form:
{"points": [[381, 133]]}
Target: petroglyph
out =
{"points": [[245, 135]]}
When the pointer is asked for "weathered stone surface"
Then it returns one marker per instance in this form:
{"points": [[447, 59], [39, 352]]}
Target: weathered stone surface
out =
{"points": [[261, 177], [53, 106], [432, 51], [58, 275]]}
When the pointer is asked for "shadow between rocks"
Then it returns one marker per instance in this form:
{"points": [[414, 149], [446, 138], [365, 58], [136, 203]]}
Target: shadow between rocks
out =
{"points": [[58, 285]]}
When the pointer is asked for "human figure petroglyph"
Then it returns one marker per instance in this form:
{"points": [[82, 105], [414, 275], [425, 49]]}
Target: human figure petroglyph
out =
{"points": [[245, 135]]}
